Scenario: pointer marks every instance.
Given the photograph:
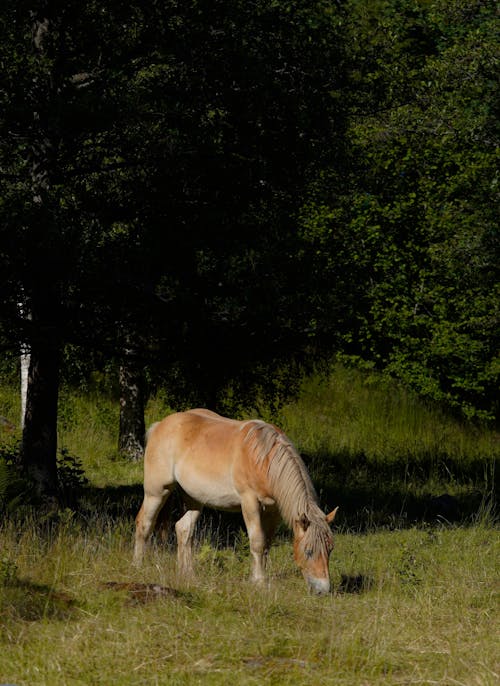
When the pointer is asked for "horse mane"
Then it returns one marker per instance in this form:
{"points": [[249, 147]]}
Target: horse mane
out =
{"points": [[289, 481]]}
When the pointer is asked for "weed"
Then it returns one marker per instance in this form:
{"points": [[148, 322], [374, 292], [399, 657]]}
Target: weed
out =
{"points": [[409, 569], [71, 476], [8, 572]]}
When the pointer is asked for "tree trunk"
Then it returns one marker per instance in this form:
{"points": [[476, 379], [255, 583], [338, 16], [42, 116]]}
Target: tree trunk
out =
{"points": [[39, 446], [40, 283], [132, 402], [25, 366]]}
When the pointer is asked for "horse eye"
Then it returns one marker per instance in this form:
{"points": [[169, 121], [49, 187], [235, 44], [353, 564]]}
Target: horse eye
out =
{"points": [[309, 553]]}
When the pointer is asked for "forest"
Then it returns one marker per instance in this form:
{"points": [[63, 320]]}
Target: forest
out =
{"points": [[215, 199]]}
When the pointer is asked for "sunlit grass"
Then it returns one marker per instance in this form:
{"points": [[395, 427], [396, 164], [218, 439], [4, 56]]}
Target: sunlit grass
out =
{"points": [[365, 413], [426, 612], [414, 605]]}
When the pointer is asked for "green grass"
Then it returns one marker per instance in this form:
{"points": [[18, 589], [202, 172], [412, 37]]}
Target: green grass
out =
{"points": [[418, 606], [385, 456], [368, 414], [415, 597]]}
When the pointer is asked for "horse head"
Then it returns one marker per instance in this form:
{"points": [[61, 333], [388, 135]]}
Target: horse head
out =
{"points": [[313, 543]]}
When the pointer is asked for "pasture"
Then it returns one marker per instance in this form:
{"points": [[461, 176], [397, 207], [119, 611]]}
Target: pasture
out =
{"points": [[415, 578]]}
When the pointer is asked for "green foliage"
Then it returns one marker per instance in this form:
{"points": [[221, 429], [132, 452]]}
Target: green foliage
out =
{"points": [[8, 572], [244, 189], [17, 492], [180, 138], [15, 489], [71, 478], [415, 226]]}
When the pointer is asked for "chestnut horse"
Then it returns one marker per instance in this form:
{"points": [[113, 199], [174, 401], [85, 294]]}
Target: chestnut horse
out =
{"points": [[247, 466]]}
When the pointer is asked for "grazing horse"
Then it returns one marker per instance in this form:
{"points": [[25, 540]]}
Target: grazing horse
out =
{"points": [[248, 466]]}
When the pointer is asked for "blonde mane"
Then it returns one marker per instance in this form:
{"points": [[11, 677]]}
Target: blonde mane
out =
{"points": [[289, 481]]}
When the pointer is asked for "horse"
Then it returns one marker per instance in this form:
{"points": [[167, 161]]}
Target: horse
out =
{"points": [[249, 466]]}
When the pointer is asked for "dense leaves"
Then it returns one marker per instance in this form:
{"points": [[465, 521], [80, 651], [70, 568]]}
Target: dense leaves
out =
{"points": [[179, 138], [417, 228]]}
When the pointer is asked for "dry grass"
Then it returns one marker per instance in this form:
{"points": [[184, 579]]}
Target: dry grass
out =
{"points": [[409, 607], [416, 605]]}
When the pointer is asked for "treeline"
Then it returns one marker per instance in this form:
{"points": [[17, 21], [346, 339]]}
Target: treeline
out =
{"points": [[421, 215], [216, 195]]}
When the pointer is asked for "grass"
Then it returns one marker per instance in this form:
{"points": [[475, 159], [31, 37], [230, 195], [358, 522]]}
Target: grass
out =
{"points": [[368, 414], [417, 606], [415, 597], [386, 456]]}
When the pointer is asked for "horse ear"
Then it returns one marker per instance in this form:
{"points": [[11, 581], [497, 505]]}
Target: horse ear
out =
{"points": [[304, 522], [331, 516]]}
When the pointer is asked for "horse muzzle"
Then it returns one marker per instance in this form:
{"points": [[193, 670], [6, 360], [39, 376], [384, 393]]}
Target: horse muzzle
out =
{"points": [[318, 586]]}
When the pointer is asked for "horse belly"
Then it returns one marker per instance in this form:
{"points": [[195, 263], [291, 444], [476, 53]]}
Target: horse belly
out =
{"points": [[211, 489]]}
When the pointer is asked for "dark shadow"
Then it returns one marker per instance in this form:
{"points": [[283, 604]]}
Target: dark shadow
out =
{"points": [[32, 602], [358, 583], [404, 492], [111, 502]]}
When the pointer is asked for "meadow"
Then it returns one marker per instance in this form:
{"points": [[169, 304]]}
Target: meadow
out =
{"points": [[415, 568]]}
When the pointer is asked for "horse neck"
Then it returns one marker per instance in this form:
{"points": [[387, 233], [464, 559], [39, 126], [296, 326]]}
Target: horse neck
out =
{"points": [[288, 479]]}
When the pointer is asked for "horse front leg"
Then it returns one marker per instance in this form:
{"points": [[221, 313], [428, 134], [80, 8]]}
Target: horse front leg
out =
{"points": [[251, 510], [184, 530]]}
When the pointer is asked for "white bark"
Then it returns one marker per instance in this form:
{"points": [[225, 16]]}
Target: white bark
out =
{"points": [[25, 366]]}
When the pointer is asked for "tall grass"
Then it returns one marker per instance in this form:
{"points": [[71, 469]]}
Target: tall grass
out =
{"points": [[366, 413], [417, 604], [372, 446], [387, 456], [409, 607]]}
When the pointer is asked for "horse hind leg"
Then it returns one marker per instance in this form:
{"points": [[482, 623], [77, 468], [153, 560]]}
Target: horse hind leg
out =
{"points": [[162, 524], [184, 530], [145, 521]]}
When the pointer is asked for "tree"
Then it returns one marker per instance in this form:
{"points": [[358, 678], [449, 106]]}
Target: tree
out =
{"points": [[55, 100], [416, 228], [170, 149], [40, 419]]}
